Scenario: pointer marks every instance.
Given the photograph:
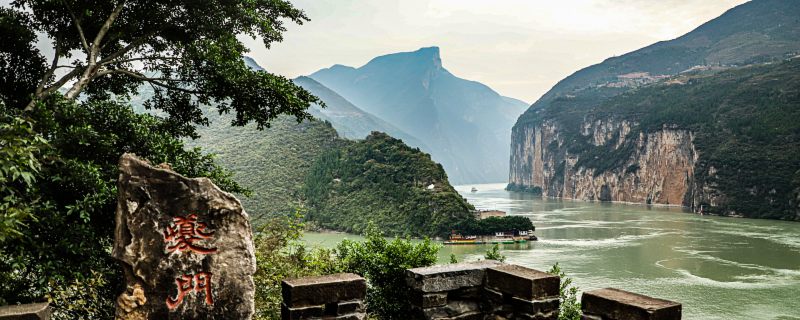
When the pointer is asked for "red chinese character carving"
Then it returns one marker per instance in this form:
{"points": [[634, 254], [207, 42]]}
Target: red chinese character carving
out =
{"points": [[200, 282], [185, 232]]}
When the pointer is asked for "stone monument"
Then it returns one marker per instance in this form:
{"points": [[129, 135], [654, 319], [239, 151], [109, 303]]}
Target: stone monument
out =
{"points": [[185, 247]]}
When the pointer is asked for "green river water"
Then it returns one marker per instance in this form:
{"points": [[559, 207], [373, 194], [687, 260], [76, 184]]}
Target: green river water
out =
{"points": [[719, 268]]}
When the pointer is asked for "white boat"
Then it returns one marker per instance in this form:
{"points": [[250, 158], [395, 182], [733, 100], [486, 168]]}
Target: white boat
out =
{"points": [[474, 189]]}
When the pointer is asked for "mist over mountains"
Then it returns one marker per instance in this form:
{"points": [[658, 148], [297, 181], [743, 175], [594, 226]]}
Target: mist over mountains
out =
{"points": [[465, 123]]}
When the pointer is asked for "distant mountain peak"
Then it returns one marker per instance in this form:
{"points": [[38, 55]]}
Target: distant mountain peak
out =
{"points": [[427, 57], [431, 53], [251, 63], [340, 66], [465, 123]]}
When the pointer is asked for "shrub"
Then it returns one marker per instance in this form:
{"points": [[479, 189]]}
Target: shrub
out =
{"points": [[568, 295], [494, 254], [383, 263]]}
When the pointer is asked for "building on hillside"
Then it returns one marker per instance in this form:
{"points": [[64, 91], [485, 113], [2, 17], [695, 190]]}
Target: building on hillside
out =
{"points": [[483, 214]]}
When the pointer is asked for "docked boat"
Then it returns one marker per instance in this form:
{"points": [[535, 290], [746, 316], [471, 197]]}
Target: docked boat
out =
{"points": [[498, 238], [459, 239]]}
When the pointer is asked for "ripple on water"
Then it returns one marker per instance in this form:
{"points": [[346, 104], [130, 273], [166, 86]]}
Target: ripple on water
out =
{"points": [[719, 268], [620, 241], [692, 279]]}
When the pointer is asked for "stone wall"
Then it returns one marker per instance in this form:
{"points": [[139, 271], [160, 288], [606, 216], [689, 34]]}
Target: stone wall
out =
{"points": [[483, 290], [615, 304], [33, 311], [338, 296]]}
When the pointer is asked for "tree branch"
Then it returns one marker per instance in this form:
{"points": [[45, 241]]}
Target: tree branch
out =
{"points": [[78, 25], [66, 78], [53, 67], [127, 48], [155, 81], [140, 59], [52, 88], [104, 29]]}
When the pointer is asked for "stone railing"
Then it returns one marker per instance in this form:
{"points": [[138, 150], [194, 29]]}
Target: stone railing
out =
{"points": [[480, 289], [337, 296], [613, 304], [477, 290], [33, 311]]}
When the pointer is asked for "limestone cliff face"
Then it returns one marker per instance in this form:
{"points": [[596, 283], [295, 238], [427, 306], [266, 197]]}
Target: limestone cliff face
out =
{"points": [[655, 167]]}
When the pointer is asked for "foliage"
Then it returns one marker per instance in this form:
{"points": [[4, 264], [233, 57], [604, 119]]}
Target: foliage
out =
{"points": [[743, 125], [383, 263], [79, 297], [280, 254], [20, 148], [494, 254], [71, 235], [570, 308], [535, 190], [491, 225], [188, 54], [20, 61], [453, 258], [273, 163], [383, 180]]}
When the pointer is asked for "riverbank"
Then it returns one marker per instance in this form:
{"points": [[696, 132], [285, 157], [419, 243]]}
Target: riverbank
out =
{"points": [[718, 268]]}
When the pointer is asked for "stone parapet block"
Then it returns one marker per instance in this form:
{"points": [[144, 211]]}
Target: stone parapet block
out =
{"points": [[616, 304], [320, 290], [337, 296], [33, 311], [523, 283], [448, 277]]}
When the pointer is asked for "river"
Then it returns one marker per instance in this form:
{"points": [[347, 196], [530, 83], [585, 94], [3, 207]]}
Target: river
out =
{"points": [[718, 268]]}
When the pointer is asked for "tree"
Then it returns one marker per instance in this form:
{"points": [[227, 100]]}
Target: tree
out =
{"points": [[71, 119], [187, 51], [383, 263]]}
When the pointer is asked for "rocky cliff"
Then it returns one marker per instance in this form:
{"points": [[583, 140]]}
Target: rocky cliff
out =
{"points": [[706, 120], [659, 168], [719, 142]]}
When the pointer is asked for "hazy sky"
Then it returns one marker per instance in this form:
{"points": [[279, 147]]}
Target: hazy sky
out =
{"points": [[520, 48]]}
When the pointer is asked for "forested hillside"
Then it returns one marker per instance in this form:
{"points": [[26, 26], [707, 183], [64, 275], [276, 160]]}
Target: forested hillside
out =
{"points": [[344, 183], [734, 134], [757, 31], [383, 180], [271, 163], [705, 120]]}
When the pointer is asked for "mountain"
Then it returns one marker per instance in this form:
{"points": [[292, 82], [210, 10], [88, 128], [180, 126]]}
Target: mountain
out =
{"points": [[381, 179], [287, 166], [272, 163], [465, 123], [348, 120], [707, 121], [757, 31], [252, 64]]}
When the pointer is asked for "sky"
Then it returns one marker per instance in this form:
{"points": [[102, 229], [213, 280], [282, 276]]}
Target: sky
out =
{"points": [[520, 48]]}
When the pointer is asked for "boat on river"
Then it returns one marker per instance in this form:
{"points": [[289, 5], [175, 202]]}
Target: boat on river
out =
{"points": [[498, 238]]}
